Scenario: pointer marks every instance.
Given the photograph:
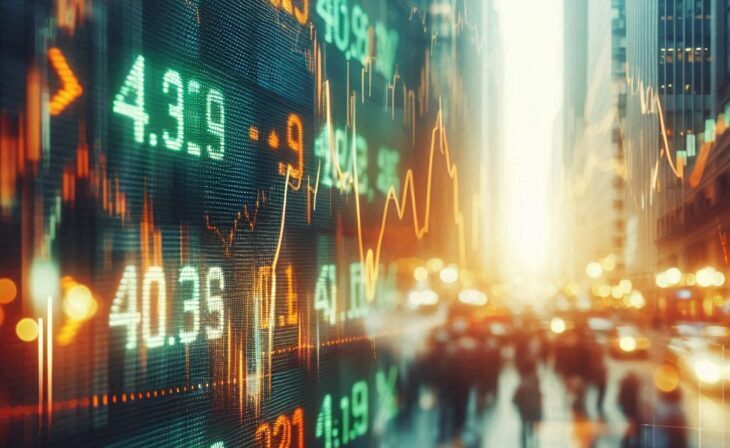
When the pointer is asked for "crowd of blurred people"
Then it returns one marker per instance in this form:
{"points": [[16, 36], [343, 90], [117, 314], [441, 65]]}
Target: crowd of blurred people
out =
{"points": [[463, 362]]}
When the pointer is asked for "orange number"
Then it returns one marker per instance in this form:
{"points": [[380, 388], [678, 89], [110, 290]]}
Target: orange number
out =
{"points": [[292, 316], [298, 421], [283, 426], [295, 139], [264, 431], [263, 294], [302, 15]]}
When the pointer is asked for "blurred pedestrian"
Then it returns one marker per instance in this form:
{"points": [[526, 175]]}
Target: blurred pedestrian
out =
{"points": [[528, 400], [489, 367], [670, 423], [598, 376], [584, 430], [629, 402]]}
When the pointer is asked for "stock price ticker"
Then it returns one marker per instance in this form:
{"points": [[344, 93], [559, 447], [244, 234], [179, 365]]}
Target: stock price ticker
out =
{"points": [[207, 212]]}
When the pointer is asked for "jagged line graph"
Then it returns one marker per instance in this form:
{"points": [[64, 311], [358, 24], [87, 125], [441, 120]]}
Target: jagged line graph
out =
{"points": [[370, 256]]}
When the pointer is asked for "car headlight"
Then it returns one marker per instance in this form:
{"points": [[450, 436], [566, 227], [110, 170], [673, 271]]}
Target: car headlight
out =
{"points": [[627, 343], [707, 371]]}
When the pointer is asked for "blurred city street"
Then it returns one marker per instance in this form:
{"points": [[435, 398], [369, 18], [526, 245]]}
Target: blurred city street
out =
{"points": [[498, 424]]}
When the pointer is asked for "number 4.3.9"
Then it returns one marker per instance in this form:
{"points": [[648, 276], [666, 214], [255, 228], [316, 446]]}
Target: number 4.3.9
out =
{"points": [[130, 102]]}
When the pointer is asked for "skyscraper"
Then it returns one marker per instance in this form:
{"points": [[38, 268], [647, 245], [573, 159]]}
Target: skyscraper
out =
{"points": [[592, 156]]}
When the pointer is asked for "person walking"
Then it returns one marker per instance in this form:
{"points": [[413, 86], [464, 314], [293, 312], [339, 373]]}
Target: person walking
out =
{"points": [[629, 402], [670, 430], [528, 400]]}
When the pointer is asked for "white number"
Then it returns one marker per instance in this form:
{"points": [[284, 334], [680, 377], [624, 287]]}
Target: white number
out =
{"points": [[215, 301], [154, 275], [130, 318], [192, 305]]}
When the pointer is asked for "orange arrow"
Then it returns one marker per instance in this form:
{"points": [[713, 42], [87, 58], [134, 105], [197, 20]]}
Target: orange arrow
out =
{"points": [[70, 87]]}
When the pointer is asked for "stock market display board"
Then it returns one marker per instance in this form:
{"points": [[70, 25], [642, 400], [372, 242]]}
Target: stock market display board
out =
{"points": [[209, 208]]}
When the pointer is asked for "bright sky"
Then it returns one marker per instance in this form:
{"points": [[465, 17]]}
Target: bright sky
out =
{"points": [[532, 39]]}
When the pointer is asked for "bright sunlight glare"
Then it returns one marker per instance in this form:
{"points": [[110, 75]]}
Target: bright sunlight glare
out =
{"points": [[532, 40]]}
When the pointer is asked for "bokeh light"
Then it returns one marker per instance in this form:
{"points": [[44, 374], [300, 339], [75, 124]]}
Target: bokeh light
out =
{"points": [[557, 325], [719, 279], [626, 286], [673, 276], [627, 343], [420, 274], [79, 304], [636, 300], [44, 281], [705, 277], [8, 291], [27, 329], [666, 378], [594, 270], [449, 274]]}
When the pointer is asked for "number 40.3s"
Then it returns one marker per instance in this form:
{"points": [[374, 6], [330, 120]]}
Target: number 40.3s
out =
{"points": [[154, 281], [130, 102]]}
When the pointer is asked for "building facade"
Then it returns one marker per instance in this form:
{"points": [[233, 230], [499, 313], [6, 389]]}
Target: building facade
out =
{"points": [[593, 156], [675, 146]]}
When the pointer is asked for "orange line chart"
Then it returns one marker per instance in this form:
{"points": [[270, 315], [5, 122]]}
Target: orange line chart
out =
{"points": [[370, 255]]}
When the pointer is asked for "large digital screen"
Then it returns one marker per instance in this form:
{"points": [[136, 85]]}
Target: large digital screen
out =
{"points": [[209, 211]]}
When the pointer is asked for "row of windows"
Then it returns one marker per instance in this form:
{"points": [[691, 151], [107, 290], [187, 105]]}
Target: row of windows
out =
{"points": [[670, 8], [698, 16], [688, 79], [669, 56]]}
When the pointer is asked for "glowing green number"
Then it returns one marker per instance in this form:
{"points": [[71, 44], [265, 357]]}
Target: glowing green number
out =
{"points": [[360, 160], [215, 301], [175, 110], [341, 150], [133, 85], [360, 47], [388, 161], [322, 151], [130, 318], [386, 387], [345, 412], [387, 44], [324, 421], [194, 89], [154, 275], [358, 303], [325, 299], [342, 26], [325, 11], [360, 407], [192, 305], [215, 115]]}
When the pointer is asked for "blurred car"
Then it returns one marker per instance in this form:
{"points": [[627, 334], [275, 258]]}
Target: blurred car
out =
{"points": [[700, 359], [602, 329], [626, 341]]}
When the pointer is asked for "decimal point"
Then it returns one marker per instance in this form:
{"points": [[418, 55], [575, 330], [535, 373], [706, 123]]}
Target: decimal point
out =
{"points": [[153, 139], [171, 341]]}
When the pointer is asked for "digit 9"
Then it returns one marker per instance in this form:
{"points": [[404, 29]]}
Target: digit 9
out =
{"points": [[295, 142]]}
